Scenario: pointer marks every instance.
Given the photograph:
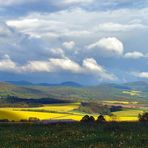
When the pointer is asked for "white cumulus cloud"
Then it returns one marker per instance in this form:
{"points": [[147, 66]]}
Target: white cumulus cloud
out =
{"points": [[57, 51], [69, 45], [134, 55], [65, 64], [7, 64], [141, 74], [88, 66], [77, 1], [109, 45], [91, 66], [116, 27]]}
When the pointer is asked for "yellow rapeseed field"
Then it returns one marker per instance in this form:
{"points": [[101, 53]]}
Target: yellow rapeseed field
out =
{"points": [[50, 112], [64, 111], [120, 102]]}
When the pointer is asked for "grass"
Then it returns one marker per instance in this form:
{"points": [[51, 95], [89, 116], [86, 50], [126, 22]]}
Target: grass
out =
{"points": [[112, 135]]}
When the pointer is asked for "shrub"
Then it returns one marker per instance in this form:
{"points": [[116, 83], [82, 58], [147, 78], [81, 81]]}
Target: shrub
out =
{"points": [[101, 119], [143, 117], [4, 120], [33, 119], [23, 120]]}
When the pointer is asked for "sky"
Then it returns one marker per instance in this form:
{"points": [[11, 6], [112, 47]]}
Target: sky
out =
{"points": [[86, 41]]}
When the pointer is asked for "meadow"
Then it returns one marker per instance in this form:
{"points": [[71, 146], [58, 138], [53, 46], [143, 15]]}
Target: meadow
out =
{"points": [[74, 135]]}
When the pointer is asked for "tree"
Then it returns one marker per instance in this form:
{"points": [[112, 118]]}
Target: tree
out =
{"points": [[87, 119], [91, 119], [143, 117], [101, 119]]}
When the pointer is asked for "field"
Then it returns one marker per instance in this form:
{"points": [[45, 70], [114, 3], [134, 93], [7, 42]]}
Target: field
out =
{"points": [[132, 93], [47, 112], [109, 135], [63, 111]]}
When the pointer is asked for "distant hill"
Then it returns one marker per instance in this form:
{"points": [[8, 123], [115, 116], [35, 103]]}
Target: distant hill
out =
{"points": [[20, 82], [114, 85], [139, 85], [69, 83], [72, 84], [74, 91]]}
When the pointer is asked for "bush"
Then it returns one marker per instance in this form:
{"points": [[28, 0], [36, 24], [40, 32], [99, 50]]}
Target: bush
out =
{"points": [[23, 120], [143, 117], [4, 120], [101, 119], [33, 119]]}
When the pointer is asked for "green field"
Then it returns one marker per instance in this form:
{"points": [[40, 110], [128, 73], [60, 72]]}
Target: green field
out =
{"points": [[74, 135]]}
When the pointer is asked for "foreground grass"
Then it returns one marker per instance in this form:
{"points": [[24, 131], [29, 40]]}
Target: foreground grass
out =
{"points": [[71, 135]]}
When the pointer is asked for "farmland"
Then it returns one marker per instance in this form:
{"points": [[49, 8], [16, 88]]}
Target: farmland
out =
{"points": [[50, 112], [63, 111]]}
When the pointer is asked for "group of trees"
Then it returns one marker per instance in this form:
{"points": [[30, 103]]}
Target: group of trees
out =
{"points": [[89, 119], [86, 119]]}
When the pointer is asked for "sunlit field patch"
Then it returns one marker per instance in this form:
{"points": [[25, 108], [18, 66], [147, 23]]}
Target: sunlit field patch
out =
{"points": [[120, 102], [132, 93], [120, 118], [128, 114], [60, 107]]}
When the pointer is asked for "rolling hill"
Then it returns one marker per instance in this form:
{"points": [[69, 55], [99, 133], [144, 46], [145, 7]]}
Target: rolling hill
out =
{"points": [[76, 92]]}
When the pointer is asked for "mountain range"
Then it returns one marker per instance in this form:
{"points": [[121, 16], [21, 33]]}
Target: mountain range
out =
{"points": [[25, 83]]}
